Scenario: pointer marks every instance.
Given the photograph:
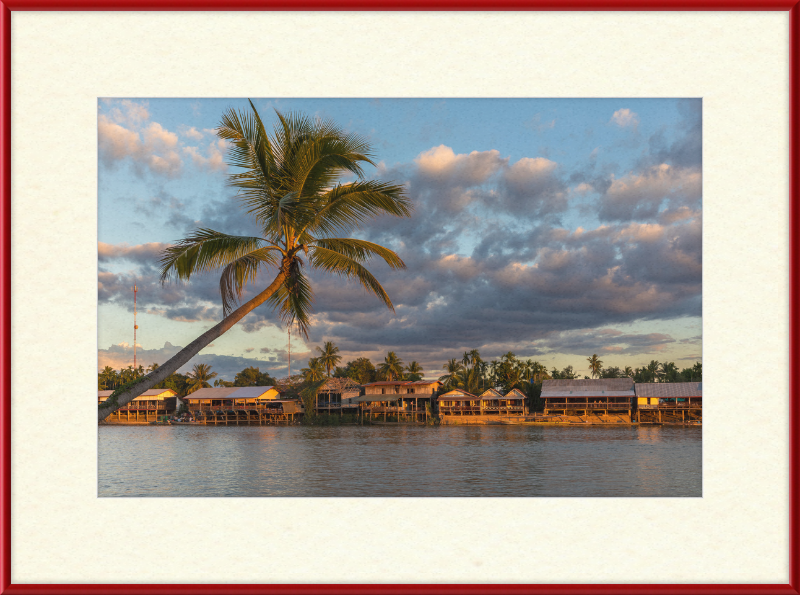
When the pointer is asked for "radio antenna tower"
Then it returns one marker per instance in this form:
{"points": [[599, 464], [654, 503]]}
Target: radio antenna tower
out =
{"points": [[135, 326], [289, 332]]}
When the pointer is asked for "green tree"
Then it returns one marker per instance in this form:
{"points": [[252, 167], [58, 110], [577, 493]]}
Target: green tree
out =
{"points": [[451, 379], [199, 377], [329, 356], [289, 182], [391, 368], [595, 365], [414, 371], [315, 370]]}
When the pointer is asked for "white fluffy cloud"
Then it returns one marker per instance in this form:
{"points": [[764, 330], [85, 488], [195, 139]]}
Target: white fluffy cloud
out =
{"points": [[123, 135], [625, 117]]}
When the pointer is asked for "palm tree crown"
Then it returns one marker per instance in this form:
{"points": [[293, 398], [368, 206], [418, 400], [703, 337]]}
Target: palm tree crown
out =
{"points": [[199, 377], [289, 184], [391, 368], [595, 365], [289, 181], [329, 356]]}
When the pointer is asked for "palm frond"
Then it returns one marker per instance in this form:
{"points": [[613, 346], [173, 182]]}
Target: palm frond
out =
{"points": [[348, 206], [293, 298], [236, 275], [205, 250], [334, 262], [360, 250]]}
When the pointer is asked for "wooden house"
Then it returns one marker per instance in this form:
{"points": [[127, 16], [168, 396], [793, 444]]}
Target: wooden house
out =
{"points": [[669, 402], [459, 402], [407, 399], [582, 397], [338, 395], [149, 406], [235, 405]]}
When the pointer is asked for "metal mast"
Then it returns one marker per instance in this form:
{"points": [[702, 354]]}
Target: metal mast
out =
{"points": [[135, 326], [289, 332]]}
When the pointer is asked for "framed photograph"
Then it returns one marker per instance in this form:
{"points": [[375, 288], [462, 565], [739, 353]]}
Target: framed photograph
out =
{"points": [[581, 191]]}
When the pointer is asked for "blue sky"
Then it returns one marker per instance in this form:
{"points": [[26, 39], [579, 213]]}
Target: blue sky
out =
{"points": [[553, 228]]}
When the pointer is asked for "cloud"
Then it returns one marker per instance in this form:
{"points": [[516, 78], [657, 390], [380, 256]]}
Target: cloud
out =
{"points": [[213, 160], [625, 118], [641, 195], [123, 136], [191, 132]]}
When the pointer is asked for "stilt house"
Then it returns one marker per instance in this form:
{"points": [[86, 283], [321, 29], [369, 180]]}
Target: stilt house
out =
{"points": [[581, 397], [338, 395], [147, 407], [669, 402], [459, 402]]}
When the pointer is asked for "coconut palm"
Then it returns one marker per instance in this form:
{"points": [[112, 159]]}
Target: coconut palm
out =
{"points": [[414, 371], [391, 368], [329, 356], [595, 365], [451, 379], [652, 370], [199, 377], [628, 372], [288, 182], [315, 370]]}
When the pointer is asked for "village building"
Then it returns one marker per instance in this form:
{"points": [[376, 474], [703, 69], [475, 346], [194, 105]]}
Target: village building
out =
{"points": [[148, 407], [459, 402], [601, 396], [408, 400], [669, 402], [337, 395], [235, 405]]}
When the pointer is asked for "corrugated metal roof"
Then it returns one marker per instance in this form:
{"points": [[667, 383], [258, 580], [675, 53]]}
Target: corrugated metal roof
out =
{"points": [[230, 392], [586, 393], [458, 395], [515, 394], [589, 384], [490, 395], [153, 392], [667, 390], [388, 383]]}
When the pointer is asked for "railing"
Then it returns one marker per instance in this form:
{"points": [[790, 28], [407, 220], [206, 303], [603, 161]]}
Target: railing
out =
{"points": [[549, 405], [505, 408], [462, 409], [673, 406], [144, 407], [394, 410]]}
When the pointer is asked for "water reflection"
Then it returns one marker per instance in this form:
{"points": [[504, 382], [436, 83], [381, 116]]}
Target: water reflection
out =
{"points": [[399, 461]]}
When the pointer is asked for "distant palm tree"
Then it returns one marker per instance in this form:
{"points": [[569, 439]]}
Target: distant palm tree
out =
{"points": [[315, 370], [414, 371], [595, 365], [329, 356], [289, 181], [391, 368], [199, 377], [628, 372], [451, 379], [652, 370]]}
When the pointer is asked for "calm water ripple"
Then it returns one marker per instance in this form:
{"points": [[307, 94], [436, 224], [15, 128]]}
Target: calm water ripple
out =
{"points": [[400, 461]]}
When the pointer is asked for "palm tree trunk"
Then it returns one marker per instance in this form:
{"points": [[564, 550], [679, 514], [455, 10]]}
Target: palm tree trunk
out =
{"points": [[184, 355]]}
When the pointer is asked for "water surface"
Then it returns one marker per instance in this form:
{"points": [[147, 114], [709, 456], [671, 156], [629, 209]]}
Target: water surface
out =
{"points": [[385, 461]]}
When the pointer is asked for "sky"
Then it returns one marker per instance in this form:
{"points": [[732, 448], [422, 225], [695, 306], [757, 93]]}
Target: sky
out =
{"points": [[552, 228]]}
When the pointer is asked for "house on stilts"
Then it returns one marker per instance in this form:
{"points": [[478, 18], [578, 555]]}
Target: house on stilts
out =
{"points": [[669, 402]]}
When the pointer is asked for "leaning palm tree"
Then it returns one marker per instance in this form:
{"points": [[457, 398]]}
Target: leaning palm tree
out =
{"points": [[329, 355], [198, 378], [595, 365], [288, 181], [391, 368]]}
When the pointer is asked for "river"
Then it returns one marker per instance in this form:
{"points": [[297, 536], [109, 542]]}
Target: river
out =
{"points": [[388, 461]]}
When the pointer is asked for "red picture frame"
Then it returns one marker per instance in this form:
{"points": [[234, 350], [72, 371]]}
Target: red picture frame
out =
{"points": [[6, 587]]}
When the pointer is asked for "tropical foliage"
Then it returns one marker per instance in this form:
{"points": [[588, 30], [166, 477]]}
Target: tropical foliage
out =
{"points": [[289, 181]]}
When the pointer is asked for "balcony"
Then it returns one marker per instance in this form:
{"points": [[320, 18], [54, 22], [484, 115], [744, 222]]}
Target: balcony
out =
{"points": [[549, 405]]}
